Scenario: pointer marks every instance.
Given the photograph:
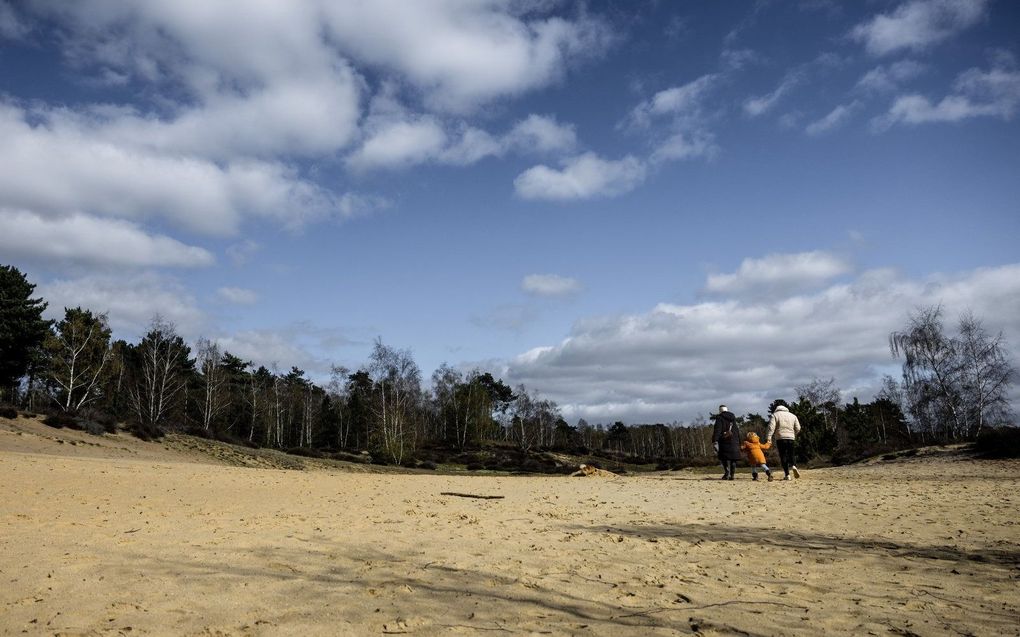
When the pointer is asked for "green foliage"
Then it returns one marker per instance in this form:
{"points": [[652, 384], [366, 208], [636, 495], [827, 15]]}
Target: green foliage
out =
{"points": [[22, 328], [78, 349], [817, 438]]}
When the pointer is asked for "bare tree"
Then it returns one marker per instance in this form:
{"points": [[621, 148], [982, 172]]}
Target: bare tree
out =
{"points": [[162, 375], [79, 348], [961, 381], [398, 383], [987, 374], [213, 379]]}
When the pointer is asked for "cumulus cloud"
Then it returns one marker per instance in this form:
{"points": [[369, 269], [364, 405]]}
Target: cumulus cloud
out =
{"points": [[83, 239], [238, 296], [540, 133], [464, 54], [582, 177], [400, 143], [976, 93], [888, 78], [397, 139], [779, 272], [56, 165], [683, 101], [762, 104], [550, 285], [287, 347], [675, 121], [834, 119], [685, 145], [131, 300], [680, 361], [459, 54], [918, 25]]}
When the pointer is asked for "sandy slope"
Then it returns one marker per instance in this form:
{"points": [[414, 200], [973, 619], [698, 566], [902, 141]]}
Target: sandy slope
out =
{"points": [[145, 540]]}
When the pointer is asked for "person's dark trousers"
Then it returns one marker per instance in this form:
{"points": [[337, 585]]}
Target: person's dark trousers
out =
{"points": [[729, 467], [786, 454]]}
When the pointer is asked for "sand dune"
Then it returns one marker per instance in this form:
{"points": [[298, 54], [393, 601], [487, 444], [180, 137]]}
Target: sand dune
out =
{"points": [[137, 538]]}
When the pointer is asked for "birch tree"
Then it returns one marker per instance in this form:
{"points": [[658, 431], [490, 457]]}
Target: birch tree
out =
{"points": [[213, 379], [163, 365], [397, 382], [987, 374], [78, 348]]}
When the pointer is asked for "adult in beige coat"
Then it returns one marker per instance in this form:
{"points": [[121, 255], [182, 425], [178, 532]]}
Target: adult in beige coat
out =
{"points": [[785, 426]]}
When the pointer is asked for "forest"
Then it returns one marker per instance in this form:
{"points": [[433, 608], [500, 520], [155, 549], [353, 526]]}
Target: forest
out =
{"points": [[954, 387]]}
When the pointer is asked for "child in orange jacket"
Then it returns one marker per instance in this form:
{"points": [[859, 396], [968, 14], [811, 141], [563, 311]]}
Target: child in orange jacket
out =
{"points": [[755, 454]]}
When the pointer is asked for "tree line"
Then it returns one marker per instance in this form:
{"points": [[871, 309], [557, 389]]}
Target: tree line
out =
{"points": [[953, 386]]}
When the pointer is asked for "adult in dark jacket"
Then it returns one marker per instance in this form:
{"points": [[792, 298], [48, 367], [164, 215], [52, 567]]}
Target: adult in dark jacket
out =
{"points": [[726, 440]]}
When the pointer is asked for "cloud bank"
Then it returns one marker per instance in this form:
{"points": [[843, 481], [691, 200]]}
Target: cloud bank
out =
{"points": [[678, 361]]}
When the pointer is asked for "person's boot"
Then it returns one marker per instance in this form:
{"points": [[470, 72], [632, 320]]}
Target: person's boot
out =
{"points": [[754, 476]]}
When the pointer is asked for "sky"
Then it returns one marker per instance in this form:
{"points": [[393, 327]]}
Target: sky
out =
{"points": [[639, 210]]}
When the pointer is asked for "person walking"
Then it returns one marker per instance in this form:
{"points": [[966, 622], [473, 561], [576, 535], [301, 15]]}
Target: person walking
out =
{"points": [[785, 426], [726, 441], [755, 451]]}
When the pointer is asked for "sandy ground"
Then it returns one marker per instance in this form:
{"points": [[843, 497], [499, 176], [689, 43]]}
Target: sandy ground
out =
{"points": [[141, 538]]}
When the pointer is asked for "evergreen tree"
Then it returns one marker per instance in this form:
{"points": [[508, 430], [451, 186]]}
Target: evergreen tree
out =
{"points": [[22, 328]]}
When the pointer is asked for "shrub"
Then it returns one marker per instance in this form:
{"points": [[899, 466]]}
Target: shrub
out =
{"points": [[90, 426], [59, 421], [427, 464], [306, 452], [6, 411], [146, 432], [1001, 442]]}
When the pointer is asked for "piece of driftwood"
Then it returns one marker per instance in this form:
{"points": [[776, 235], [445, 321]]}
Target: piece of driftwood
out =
{"points": [[472, 495], [588, 470]]}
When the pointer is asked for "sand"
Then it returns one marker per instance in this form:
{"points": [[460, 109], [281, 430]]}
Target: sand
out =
{"points": [[135, 538]]}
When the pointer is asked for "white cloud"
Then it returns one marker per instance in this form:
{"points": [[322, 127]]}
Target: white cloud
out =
{"points": [[83, 239], [131, 301], [683, 101], [550, 285], [281, 349], [400, 143], [581, 177], [55, 165], [463, 54], [779, 273], [918, 25], [541, 133], [684, 145], [976, 93], [887, 78], [239, 296], [398, 139], [834, 119], [679, 361], [760, 105]]}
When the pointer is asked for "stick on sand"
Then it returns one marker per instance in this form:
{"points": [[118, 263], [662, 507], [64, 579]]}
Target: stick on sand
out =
{"points": [[471, 495]]}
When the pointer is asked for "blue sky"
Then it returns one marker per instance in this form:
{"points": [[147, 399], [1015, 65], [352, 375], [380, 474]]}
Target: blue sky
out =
{"points": [[638, 209]]}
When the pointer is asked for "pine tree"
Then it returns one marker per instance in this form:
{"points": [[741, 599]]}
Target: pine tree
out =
{"points": [[22, 328]]}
